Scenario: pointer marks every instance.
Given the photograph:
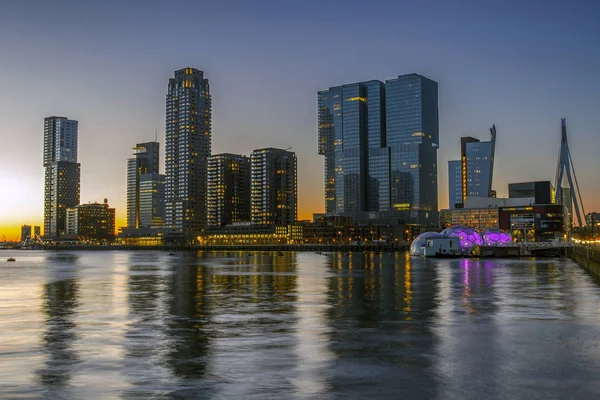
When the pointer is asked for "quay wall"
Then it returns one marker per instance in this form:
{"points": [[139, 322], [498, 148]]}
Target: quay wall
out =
{"points": [[588, 257], [391, 247]]}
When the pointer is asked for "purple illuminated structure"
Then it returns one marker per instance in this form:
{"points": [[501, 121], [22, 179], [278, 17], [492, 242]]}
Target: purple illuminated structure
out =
{"points": [[496, 237], [420, 241], [469, 237]]}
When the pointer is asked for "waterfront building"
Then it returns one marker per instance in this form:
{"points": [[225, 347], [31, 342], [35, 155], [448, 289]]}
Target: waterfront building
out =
{"points": [[37, 232], [145, 161], [25, 232], [592, 219], [188, 147], [93, 221], [540, 192], [476, 218], [61, 172], [228, 197], [249, 233], [380, 142], [274, 187], [534, 223], [472, 175], [152, 201]]}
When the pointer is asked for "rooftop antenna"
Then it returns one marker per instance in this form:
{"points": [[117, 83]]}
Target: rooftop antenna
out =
{"points": [[156, 135]]}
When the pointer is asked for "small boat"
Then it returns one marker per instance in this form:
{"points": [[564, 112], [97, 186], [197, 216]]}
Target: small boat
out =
{"points": [[11, 259], [171, 254]]}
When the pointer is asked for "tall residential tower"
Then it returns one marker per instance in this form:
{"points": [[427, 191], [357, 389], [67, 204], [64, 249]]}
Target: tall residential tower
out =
{"points": [[188, 146], [62, 173], [274, 188], [144, 164], [228, 189], [472, 175]]}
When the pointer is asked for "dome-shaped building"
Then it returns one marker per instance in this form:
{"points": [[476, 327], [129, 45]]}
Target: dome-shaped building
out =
{"points": [[496, 237], [420, 241], [469, 237]]}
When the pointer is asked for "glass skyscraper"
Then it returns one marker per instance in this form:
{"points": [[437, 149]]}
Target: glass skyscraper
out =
{"points": [[380, 145], [61, 173], [274, 187], [151, 204], [146, 161], [188, 147], [228, 189], [475, 176]]}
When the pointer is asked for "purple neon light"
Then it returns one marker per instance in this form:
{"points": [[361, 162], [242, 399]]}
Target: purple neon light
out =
{"points": [[496, 237], [469, 237]]}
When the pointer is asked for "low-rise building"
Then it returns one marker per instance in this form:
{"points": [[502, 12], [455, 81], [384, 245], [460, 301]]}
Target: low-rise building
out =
{"points": [[535, 223], [92, 221], [248, 233]]}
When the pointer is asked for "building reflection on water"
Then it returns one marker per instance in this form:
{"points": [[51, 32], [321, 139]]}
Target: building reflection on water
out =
{"points": [[242, 325], [59, 306], [381, 308]]}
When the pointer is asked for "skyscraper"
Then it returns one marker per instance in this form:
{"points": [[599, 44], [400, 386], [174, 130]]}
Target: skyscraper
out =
{"points": [[25, 232], [475, 176], [188, 146], [380, 145], [274, 188], [152, 201], [62, 172], [146, 161], [228, 189]]}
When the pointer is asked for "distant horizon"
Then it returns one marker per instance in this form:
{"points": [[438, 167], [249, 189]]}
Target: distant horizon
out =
{"points": [[108, 68]]}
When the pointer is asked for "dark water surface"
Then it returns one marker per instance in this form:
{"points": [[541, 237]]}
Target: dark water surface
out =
{"points": [[138, 325]]}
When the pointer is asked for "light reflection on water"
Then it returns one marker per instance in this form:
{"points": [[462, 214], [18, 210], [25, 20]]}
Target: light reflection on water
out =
{"points": [[142, 325]]}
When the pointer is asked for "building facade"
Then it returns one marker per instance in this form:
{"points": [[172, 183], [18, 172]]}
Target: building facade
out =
{"points": [[380, 142], [94, 221], [152, 201], [542, 192], [37, 232], [535, 223], [228, 197], [61, 172], [145, 161], [274, 187], [475, 176], [25, 232], [188, 147]]}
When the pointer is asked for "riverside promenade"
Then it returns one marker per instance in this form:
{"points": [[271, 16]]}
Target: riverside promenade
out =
{"points": [[378, 248]]}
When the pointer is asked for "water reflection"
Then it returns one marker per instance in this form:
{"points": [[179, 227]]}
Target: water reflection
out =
{"points": [[381, 305], [238, 325], [59, 305]]}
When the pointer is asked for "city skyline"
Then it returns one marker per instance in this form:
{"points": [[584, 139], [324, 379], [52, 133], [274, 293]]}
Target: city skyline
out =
{"points": [[479, 85]]}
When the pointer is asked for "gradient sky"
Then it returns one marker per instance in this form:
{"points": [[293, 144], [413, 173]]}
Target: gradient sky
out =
{"points": [[519, 64]]}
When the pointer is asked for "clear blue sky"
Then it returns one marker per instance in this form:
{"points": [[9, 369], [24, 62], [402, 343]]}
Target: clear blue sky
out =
{"points": [[519, 64]]}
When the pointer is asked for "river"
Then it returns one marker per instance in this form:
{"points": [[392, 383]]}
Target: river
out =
{"points": [[141, 325]]}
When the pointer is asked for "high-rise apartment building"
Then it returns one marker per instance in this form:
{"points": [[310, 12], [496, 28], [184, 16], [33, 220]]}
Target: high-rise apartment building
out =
{"points": [[228, 197], [61, 172], [151, 207], [274, 187], [25, 232], [37, 232], [145, 161], [380, 145], [188, 146], [475, 175]]}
